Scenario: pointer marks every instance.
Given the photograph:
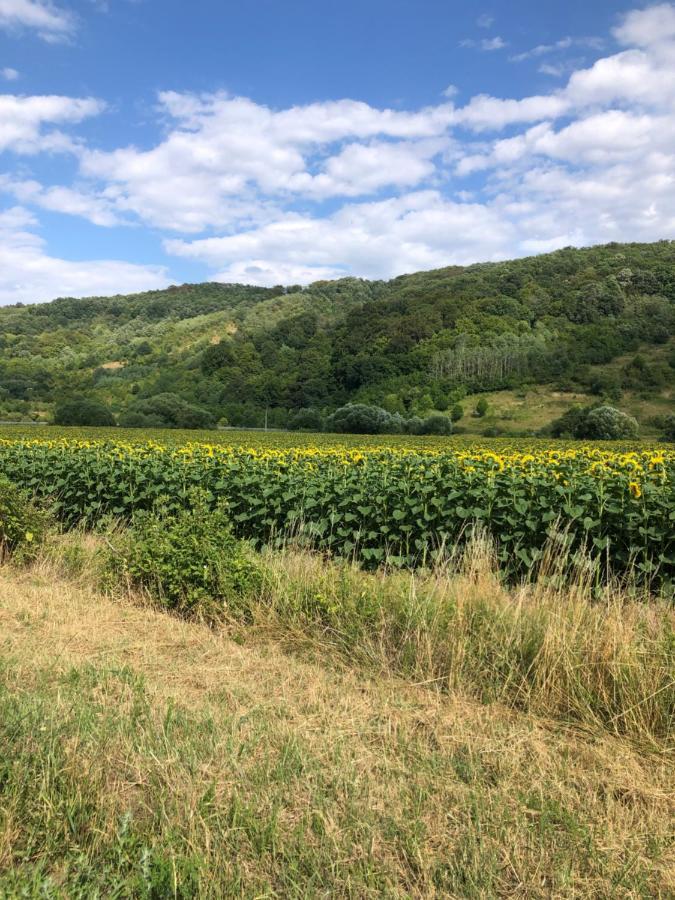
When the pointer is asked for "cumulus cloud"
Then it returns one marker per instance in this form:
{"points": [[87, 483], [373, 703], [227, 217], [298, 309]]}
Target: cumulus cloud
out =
{"points": [[646, 27], [231, 162], [9, 74], [23, 121], [50, 22], [96, 209], [420, 230], [28, 274]]}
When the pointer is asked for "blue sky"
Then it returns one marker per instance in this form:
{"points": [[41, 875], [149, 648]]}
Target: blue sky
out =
{"points": [[144, 143]]}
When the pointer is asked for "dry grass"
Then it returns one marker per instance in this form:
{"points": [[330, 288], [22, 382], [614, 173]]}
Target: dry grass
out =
{"points": [[189, 763]]}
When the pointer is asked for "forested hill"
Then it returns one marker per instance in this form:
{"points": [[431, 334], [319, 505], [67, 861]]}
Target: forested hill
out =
{"points": [[597, 321]]}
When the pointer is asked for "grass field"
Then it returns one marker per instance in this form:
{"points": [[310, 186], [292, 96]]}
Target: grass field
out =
{"points": [[144, 756]]}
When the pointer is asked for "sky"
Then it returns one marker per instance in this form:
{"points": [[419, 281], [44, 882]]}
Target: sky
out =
{"points": [[153, 142]]}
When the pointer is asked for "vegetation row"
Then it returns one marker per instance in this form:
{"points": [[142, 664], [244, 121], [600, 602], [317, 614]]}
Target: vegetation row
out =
{"points": [[403, 506]]}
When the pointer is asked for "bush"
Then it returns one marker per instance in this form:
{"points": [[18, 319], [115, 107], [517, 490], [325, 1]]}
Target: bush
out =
{"points": [[669, 428], [22, 525], [571, 423], [190, 562], [357, 418], [598, 423], [414, 425], [436, 424], [306, 420], [166, 411], [481, 408], [457, 412], [605, 423], [82, 411]]}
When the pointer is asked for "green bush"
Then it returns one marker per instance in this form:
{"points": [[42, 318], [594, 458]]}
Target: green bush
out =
{"points": [[597, 423], [22, 524], [605, 423], [669, 428], [481, 408], [436, 423], [308, 419], [358, 418], [166, 411], [83, 411], [457, 412], [190, 562]]}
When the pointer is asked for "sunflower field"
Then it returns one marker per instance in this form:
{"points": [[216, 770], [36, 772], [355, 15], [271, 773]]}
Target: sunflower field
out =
{"points": [[405, 503]]}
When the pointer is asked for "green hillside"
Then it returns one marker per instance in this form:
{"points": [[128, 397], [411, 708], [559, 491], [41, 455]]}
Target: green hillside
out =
{"points": [[534, 336]]}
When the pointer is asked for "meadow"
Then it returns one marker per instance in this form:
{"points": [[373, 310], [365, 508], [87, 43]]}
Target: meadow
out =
{"points": [[400, 501]]}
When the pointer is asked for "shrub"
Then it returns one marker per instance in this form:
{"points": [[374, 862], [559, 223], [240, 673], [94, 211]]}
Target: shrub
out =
{"points": [[22, 524], [306, 420], [436, 424], [457, 412], [599, 423], [166, 411], [571, 423], [669, 428], [190, 562], [358, 418], [83, 411], [481, 407], [605, 423]]}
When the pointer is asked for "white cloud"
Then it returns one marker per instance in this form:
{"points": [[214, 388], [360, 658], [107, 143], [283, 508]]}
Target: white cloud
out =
{"points": [[421, 230], [495, 43], [22, 120], [485, 20], [229, 161], [96, 209], [645, 27], [52, 23], [28, 274], [562, 44], [555, 70], [9, 74]]}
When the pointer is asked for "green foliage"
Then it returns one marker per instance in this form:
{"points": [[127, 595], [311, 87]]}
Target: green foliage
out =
{"points": [[189, 560], [572, 423], [436, 424], [402, 506], [358, 418], [83, 411], [166, 411], [605, 423], [457, 412], [600, 423], [306, 420], [410, 344], [669, 428], [22, 524], [481, 407]]}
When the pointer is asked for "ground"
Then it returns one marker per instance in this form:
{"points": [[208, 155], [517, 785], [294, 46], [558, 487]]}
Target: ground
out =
{"points": [[165, 758]]}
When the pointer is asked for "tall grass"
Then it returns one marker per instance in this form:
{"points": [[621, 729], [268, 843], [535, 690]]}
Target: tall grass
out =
{"points": [[555, 646], [559, 644]]}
